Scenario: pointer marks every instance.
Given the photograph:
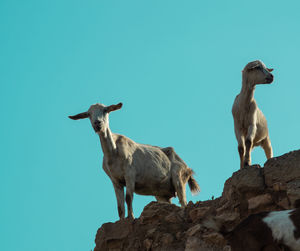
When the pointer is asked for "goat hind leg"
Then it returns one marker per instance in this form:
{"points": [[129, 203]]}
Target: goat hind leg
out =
{"points": [[181, 193], [129, 197], [241, 144], [247, 159], [241, 150], [266, 145], [179, 186]]}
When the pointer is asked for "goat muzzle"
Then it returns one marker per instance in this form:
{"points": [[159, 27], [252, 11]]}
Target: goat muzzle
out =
{"points": [[97, 126], [270, 79]]}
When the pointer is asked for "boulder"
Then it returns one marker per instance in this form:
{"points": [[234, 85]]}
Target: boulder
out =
{"points": [[282, 169]]}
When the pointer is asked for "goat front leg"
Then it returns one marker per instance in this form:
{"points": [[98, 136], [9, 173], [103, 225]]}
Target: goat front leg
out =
{"points": [[119, 190], [249, 144], [130, 182], [241, 143]]}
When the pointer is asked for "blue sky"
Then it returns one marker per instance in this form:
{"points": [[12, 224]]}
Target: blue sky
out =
{"points": [[175, 65]]}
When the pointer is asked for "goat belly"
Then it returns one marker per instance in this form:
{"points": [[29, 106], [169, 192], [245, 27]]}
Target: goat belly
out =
{"points": [[155, 189]]}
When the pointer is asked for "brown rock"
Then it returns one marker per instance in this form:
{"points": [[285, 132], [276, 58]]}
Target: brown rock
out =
{"points": [[192, 244], [259, 201], [248, 180], [173, 218], [284, 203], [197, 213], [156, 212], [167, 239], [196, 244], [191, 231], [279, 186], [282, 169], [163, 226], [293, 190], [228, 217], [150, 232], [178, 235], [147, 244], [215, 239]]}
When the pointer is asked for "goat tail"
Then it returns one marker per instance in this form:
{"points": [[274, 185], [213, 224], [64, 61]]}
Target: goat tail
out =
{"points": [[194, 186]]}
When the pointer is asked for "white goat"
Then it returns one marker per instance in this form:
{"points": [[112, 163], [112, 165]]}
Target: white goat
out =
{"points": [[250, 125], [143, 169]]}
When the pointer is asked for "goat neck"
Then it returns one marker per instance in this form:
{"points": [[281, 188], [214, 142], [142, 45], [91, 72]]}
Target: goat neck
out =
{"points": [[107, 142], [247, 91]]}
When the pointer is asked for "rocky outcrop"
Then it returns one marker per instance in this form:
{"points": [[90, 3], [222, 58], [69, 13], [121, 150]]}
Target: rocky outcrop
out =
{"points": [[163, 226]]}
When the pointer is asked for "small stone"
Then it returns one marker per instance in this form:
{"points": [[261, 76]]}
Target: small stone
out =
{"points": [[167, 239], [278, 186], [147, 244], [214, 238], [150, 232], [192, 244], [260, 200], [178, 235], [293, 191], [228, 217], [227, 248], [284, 203], [198, 213], [191, 231], [172, 218]]}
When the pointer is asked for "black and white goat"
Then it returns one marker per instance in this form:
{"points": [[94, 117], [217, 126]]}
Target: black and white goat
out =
{"points": [[267, 231]]}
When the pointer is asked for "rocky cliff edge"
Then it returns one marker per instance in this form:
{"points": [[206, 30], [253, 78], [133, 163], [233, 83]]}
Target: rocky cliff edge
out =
{"points": [[162, 227]]}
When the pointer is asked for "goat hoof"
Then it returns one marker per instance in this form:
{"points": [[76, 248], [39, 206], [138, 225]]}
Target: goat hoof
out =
{"points": [[130, 217], [246, 164]]}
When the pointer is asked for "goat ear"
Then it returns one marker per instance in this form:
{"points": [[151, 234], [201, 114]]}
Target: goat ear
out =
{"points": [[82, 115], [270, 69], [114, 107]]}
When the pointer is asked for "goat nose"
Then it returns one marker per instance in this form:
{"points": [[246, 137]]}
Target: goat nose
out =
{"points": [[97, 125], [270, 78]]}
